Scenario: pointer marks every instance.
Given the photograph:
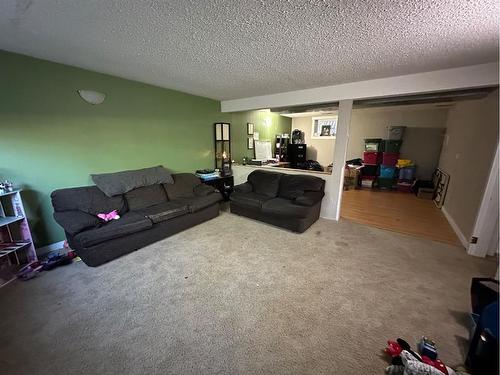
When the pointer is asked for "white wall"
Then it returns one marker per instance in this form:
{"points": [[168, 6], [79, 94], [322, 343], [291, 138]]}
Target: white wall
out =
{"points": [[467, 155], [317, 149], [371, 123]]}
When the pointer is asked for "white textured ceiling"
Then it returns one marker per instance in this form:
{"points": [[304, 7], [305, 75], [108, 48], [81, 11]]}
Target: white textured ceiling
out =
{"points": [[227, 49]]}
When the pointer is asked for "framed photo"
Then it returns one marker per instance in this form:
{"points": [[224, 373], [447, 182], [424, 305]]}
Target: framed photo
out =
{"points": [[249, 128], [250, 143], [325, 130], [324, 127]]}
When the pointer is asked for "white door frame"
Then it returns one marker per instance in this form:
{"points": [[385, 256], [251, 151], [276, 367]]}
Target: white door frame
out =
{"points": [[487, 217]]}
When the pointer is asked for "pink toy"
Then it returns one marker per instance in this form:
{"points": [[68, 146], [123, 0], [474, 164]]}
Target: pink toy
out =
{"points": [[113, 215]]}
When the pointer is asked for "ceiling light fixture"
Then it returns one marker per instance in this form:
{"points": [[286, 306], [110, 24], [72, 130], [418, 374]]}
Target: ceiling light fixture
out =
{"points": [[91, 97]]}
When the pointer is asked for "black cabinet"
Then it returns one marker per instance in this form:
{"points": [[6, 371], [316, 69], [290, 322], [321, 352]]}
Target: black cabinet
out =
{"points": [[296, 153], [225, 185]]}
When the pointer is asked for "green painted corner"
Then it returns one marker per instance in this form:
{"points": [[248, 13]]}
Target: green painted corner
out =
{"points": [[267, 124], [50, 138]]}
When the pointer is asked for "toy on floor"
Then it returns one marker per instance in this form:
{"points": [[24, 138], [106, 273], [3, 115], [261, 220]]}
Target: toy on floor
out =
{"points": [[53, 260], [407, 362], [113, 215], [29, 271]]}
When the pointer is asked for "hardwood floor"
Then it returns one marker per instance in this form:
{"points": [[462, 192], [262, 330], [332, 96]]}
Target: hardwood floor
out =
{"points": [[398, 212]]}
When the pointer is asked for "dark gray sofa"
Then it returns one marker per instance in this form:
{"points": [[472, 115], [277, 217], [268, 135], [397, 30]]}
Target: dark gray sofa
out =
{"points": [[285, 200], [148, 214]]}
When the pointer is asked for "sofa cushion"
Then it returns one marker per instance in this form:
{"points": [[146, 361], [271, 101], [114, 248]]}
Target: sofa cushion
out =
{"points": [[203, 190], [197, 203], [252, 199], [293, 186], [122, 182], [284, 207], [74, 222], [309, 198], [265, 183], [129, 223], [146, 196], [88, 199], [183, 186], [164, 211]]}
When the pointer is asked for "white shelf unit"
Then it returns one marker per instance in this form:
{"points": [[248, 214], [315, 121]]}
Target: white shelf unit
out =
{"points": [[16, 243]]}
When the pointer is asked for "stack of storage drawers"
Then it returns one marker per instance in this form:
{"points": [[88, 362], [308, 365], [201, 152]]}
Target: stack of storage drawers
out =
{"points": [[382, 165], [372, 157], [390, 156], [406, 175]]}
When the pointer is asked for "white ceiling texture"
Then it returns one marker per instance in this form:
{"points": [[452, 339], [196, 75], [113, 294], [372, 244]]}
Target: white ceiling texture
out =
{"points": [[228, 49]]}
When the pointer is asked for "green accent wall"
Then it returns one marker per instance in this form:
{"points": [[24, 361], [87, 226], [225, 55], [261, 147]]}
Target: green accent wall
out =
{"points": [[50, 138], [268, 124]]}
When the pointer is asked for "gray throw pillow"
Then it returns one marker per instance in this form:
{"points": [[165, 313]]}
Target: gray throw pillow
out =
{"points": [[122, 182]]}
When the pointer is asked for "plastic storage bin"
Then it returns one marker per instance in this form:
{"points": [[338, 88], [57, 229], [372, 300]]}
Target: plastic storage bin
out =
{"points": [[391, 145], [390, 158], [396, 132], [369, 170], [373, 144], [404, 163], [386, 183], [367, 181], [407, 173], [387, 171], [372, 157]]}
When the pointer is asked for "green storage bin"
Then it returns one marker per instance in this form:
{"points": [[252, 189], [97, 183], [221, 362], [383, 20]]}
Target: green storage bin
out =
{"points": [[373, 144], [391, 145], [386, 183]]}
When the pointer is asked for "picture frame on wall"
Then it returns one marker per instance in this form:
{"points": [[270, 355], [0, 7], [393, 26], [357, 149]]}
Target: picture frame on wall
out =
{"points": [[325, 131], [250, 143], [249, 128]]}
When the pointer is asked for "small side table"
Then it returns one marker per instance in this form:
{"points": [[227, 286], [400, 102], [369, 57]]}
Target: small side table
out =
{"points": [[224, 185]]}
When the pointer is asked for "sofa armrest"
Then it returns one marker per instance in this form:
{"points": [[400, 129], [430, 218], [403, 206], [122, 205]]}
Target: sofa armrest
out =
{"points": [[309, 198], [203, 190], [74, 222], [244, 188]]}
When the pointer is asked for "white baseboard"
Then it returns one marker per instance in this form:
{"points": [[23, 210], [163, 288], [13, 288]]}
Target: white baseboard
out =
{"points": [[456, 229], [51, 247]]}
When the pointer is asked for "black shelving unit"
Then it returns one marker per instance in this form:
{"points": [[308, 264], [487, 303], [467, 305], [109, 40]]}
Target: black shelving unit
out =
{"points": [[281, 147], [222, 140]]}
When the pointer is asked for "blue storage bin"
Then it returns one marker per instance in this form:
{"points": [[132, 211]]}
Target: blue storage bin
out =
{"points": [[407, 173], [387, 171]]}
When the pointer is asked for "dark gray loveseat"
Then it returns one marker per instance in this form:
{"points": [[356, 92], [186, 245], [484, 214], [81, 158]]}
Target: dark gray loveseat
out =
{"points": [[148, 214], [286, 200]]}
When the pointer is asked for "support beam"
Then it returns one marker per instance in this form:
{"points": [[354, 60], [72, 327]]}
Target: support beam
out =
{"points": [[473, 76], [339, 156]]}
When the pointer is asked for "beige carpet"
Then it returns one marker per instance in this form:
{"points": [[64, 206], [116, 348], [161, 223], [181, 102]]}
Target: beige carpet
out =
{"points": [[235, 296]]}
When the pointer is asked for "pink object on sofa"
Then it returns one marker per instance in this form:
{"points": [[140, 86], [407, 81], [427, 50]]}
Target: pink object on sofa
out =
{"points": [[113, 215]]}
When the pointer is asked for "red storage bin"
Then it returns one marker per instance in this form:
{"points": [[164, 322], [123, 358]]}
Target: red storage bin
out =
{"points": [[390, 158], [372, 157]]}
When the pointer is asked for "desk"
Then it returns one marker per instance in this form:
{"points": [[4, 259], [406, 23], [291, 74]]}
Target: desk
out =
{"points": [[223, 184]]}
